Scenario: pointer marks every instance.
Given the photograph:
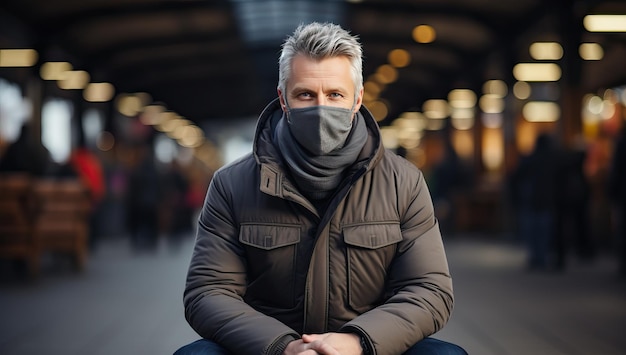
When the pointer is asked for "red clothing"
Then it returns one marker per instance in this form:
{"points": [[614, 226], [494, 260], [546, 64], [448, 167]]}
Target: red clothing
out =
{"points": [[90, 172]]}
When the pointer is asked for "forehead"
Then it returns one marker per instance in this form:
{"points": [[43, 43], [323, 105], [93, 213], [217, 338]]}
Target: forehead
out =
{"points": [[309, 71]]}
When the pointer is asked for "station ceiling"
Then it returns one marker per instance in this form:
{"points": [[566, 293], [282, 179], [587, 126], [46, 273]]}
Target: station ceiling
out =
{"points": [[218, 59]]}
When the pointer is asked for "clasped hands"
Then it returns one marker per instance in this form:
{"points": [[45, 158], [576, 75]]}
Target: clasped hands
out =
{"points": [[325, 344]]}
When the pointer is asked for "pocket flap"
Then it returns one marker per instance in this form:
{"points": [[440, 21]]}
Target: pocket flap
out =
{"points": [[372, 236], [269, 236]]}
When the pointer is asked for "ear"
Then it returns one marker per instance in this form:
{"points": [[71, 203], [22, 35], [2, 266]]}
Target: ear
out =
{"points": [[281, 98], [359, 101]]}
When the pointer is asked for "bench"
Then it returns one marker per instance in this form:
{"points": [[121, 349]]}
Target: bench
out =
{"points": [[16, 238], [39, 215]]}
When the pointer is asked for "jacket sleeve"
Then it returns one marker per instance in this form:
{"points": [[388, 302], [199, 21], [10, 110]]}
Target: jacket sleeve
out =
{"points": [[419, 282], [216, 284]]}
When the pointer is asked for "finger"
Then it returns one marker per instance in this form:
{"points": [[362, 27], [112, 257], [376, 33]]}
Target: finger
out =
{"points": [[308, 338], [308, 352], [323, 348]]}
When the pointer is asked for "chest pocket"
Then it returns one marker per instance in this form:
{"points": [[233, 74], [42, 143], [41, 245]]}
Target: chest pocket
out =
{"points": [[371, 248], [269, 236], [372, 236], [271, 255]]}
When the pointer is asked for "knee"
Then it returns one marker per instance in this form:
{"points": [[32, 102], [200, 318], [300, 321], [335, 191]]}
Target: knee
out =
{"points": [[198, 347], [450, 349], [432, 346], [457, 350]]}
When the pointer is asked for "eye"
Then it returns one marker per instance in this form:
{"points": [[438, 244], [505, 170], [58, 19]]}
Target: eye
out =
{"points": [[336, 95], [304, 95]]}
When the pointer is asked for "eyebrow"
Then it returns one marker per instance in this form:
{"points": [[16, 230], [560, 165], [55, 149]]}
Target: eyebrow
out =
{"points": [[298, 89]]}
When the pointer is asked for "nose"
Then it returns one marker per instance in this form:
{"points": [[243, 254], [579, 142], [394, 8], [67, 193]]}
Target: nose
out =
{"points": [[320, 100]]}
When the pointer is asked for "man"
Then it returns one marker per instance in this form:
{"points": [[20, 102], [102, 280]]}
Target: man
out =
{"points": [[320, 241]]}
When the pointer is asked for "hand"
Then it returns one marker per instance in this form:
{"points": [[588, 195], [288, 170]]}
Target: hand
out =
{"points": [[312, 347], [341, 343]]}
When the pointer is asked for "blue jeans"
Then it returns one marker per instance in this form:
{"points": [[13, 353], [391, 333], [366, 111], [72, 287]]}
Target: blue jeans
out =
{"points": [[537, 231], [428, 346]]}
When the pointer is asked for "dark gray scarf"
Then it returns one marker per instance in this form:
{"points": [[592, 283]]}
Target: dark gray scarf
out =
{"points": [[317, 176]]}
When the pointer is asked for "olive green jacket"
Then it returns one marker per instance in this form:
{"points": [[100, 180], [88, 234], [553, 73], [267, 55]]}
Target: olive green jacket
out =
{"points": [[267, 267]]}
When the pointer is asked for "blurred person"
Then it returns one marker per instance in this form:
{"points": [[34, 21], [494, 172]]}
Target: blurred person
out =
{"points": [[27, 154], [176, 207], [196, 193], [534, 193], [89, 170], [572, 207], [617, 191], [113, 206], [449, 180], [320, 241], [142, 201]]}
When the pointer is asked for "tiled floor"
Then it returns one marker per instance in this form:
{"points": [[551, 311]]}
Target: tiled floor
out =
{"points": [[132, 304], [122, 304], [502, 309]]}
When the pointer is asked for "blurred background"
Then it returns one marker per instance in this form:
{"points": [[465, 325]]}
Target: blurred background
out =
{"points": [[115, 114]]}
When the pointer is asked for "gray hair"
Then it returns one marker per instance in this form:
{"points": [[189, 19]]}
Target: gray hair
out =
{"points": [[319, 41]]}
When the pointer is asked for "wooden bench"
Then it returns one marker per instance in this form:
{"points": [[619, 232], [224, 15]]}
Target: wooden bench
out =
{"points": [[16, 238], [40, 215], [61, 210]]}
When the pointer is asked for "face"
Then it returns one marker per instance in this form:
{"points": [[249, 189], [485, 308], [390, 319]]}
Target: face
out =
{"points": [[325, 82]]}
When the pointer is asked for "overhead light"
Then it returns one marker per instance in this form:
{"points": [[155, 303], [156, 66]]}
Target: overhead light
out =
{"points": [[386, 74], [537, 72], [490, 103], [180, 131], [413, 115], [521, 90], [74, 80], [409, 141], [605, 23], [462, 124], [594, 104], [192, 136], [151, 114], [18, 57], [462, 113], [162, 121], [541, 111], [173, 127], [389, 135], [408, 125], [99, 92], [128, 105], [462, 98], [399, 58], [591, 51], [546, 51], [54, 70], [424, 34], [436, 109], [495, 87], [373, 87], [378, 109], [462, 118]]}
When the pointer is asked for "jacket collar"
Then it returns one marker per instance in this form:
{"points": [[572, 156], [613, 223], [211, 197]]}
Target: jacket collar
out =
{"points": [[268, 157]]}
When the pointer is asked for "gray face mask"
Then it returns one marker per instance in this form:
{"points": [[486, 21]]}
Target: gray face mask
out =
{"points": [[320, 129]]}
